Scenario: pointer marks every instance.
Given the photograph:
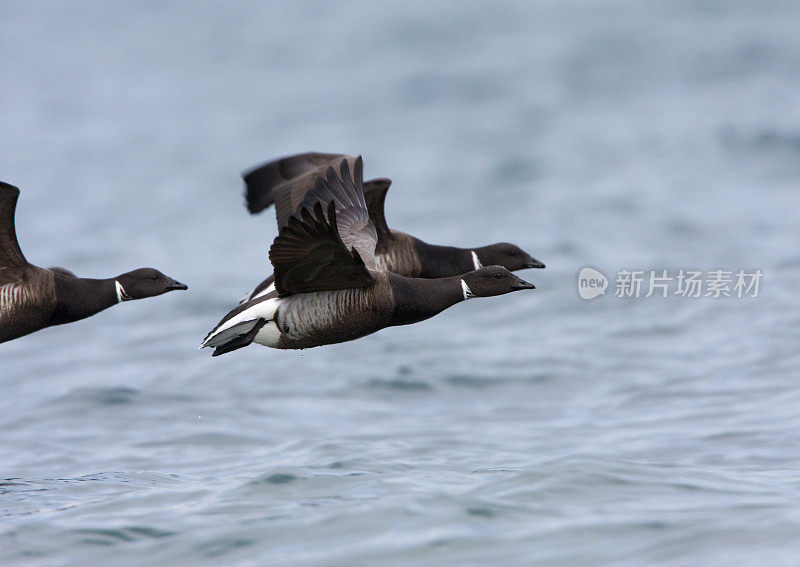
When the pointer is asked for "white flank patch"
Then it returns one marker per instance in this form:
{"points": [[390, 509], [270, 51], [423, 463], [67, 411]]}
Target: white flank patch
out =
{"points": [[121, 295], [263, 310], [467, 291], [11, 295], [475, 262]]}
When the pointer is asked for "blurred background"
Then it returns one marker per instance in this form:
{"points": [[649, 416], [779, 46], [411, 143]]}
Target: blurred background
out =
{"points": [[531, 428]]}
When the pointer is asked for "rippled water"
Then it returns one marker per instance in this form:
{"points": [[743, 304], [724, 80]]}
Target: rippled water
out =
{"points": [[533, 428]]}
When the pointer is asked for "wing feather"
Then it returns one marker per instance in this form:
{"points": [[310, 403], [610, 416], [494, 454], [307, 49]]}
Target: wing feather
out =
{"points": [[12, 261], [309, 255], [285, 183], [375, 197], [352, 218]]}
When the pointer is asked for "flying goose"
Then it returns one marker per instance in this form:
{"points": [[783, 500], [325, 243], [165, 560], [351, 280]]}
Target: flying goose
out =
{"points": [[329, 287], [32, 298]]}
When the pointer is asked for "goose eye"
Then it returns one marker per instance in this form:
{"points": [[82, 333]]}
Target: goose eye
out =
{"points": [[498, 275]]}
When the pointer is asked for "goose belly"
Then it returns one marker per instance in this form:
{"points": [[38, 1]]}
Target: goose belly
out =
{"points": [[315, 319]]}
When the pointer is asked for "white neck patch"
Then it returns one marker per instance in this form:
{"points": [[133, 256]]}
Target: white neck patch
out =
{"points": [[121, 294], [475, 261], [467, 291]]}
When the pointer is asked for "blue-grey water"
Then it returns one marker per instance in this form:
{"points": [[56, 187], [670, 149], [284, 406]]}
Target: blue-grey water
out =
{"points": [[532, 428]]}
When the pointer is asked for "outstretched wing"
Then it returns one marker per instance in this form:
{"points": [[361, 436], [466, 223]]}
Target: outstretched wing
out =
{"points": [[286, 181], [375, 197], [12, 261], [352, 218], [308, 255]]}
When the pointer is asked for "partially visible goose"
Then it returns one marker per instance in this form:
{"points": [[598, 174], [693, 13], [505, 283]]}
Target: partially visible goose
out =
{"points": [[32, 298], [286, 181], [328, 287]]}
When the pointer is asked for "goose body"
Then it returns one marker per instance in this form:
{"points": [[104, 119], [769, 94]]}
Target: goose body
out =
{"points": [[25, 306], [33, 298], [286, 181], [328, 287]]}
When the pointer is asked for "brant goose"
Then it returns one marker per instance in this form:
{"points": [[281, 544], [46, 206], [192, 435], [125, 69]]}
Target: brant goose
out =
{"points": [[32, 298], [329, 287], [286, 181]]}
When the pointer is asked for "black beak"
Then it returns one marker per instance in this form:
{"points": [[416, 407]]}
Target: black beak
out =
{"points": [[175, 285], [522, 284], [534, 263]]}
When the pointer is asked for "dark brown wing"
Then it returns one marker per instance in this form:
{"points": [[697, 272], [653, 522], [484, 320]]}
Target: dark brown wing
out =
{"points": [[12, 261], [308, 256], [286, 181], [375, 196], [352, 218]]}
